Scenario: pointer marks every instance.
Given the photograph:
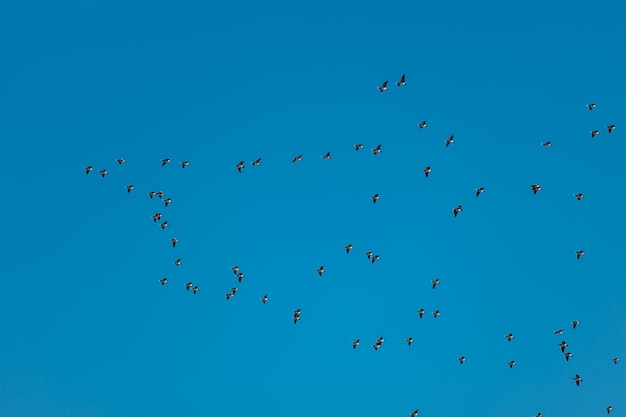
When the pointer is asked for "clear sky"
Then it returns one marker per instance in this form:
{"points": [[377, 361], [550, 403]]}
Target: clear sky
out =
{"points": [[87, 329]]}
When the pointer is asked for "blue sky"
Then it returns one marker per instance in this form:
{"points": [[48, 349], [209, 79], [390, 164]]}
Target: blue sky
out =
{"points": [[88, 329]]}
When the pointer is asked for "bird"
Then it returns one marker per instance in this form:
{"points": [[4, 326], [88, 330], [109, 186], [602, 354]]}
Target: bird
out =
{"points": [[594, 133], [567, 356], [297, 158], [535, 188], [420, 312], [577, 379], [435, 282], [164, 225], [120, 161], [383, 86], [369, 254], [183, 164], [509, 337], [377, 345], [103, 172], [177, 262], [240, 276], [358, 146], [401, 83], [326, 156], [579, 196], [256, 162], [165, 161], [409, 340], [188, 285], [609, 409], [450, 141], [375, 198], [560, 331], [88, 169], [377, 150], [296, 316], [348, 247], [415, 413], [375, 258], [563, 345], [547, 144], [151, 194], [195, 289], [160, 194], [580, 253], [174, 241], [539, 415], [615, 360], [163, 281], [229, 295], [235, 269], [575, 323], [479, 191], [461, 360], [422, 124], [167, 201], [320, 270], [240, 166], [234, 290], [512, 364], [264, 299], [129, 188], [356, 343], [457, 210], [156, 217], [427, 171], [436, 313], [591, 106], [610, 128]]}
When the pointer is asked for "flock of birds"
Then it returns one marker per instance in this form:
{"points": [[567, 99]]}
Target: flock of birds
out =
{"points": [[240, 166]]}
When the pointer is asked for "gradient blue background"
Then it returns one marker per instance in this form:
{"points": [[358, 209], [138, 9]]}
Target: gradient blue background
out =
{"points": [[87, 330]]}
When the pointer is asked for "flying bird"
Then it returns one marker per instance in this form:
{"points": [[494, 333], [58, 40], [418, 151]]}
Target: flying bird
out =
{"points": [[436, 314], [427, 171], [348, 247], [609, 409], [422, 124], [163, 281], [420, 312], [151, 194], [297, 158], [591, 106], [174, 241], [547, 144], [129, 188], [409, 340], [235, 269], [240, 166], [457, 210], [563, 345], [369, 254], [435, 282], [356, 343], [156, 217], [88, 169], [164, 225], [509, 337], [229, 295], [103, 172], [535, 188], [415, 413], [377, 150], [160, 194], [578, 196], [580, 253], [575, 323], [183, 164], [320, 270], [296, 316], [383, 86], [358, 146], [594, 133], [167, 201], [461, 360], [120, 161], [567, 356], [165, 161], [188, 285], [560, 331], [326, 156], [264, 299], [195, 289], [177, 262], [240, 276], [375, 258], [401, 83], [512, 364], [479, 191], [577, 379], [256, 163], [234, 290], [450, 141], [610, 128], [615, 360], [375, 198]]}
